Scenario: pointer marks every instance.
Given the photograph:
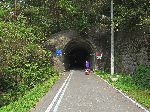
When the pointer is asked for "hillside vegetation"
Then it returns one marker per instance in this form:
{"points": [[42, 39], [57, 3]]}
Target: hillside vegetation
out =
{"points": [[25, 25]]}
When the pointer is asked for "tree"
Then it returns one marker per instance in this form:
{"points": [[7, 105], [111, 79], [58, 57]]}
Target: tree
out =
{"points": [[131, 14]]}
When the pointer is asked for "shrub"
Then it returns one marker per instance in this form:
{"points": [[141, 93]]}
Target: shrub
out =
{"points": [[23, 61], [142, 76]]}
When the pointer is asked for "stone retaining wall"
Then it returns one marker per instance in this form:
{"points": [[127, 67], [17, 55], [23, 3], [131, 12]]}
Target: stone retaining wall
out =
{"points": [[131, 49]]}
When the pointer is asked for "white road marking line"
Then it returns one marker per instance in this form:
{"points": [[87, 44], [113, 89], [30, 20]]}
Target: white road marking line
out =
{"points": [[125, 95], [60, 98], [56, 96]]}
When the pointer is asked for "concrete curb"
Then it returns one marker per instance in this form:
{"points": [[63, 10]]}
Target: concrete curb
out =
{"points": [[125, 95]]}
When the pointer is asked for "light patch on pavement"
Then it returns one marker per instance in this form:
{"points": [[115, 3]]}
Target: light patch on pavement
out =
{"points": [[60, 93]]}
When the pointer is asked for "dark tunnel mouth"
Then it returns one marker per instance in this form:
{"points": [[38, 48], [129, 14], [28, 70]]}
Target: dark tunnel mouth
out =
{"points": [[76, 53]]}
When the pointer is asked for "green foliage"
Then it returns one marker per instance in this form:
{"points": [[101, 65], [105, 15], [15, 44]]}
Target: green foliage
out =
{"points": [[24, 62], [142, 77], [68, 5], [127, 85], [103, 74], [51, 16], [65, 14], [31, 97], [131, 14], [125, 82], [5, 11]]}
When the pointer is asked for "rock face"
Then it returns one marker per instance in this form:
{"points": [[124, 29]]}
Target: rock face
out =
{"points": [[131, 49]]}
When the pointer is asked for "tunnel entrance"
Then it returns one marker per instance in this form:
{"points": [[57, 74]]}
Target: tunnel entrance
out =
{"points": [[76, 53], [77, 57]]}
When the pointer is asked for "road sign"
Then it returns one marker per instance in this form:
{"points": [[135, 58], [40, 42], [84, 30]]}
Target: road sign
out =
{"points": [[98, 55], [58, 52]]}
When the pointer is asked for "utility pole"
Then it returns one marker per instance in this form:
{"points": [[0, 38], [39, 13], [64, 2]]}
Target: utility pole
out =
{"points": [[112, 40]]}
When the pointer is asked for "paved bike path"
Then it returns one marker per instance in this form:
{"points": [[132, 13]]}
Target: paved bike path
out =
{"points": [[84, 93]]}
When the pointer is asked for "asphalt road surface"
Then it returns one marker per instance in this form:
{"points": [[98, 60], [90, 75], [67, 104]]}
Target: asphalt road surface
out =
{"points": [[76, 92]]}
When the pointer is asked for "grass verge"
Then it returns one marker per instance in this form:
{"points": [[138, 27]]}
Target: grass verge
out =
{"points": [[126, 84], [30, 99]]}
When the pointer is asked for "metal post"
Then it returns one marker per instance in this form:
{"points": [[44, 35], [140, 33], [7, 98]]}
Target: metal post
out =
{"points": [[94, 62], [112, 40]]}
